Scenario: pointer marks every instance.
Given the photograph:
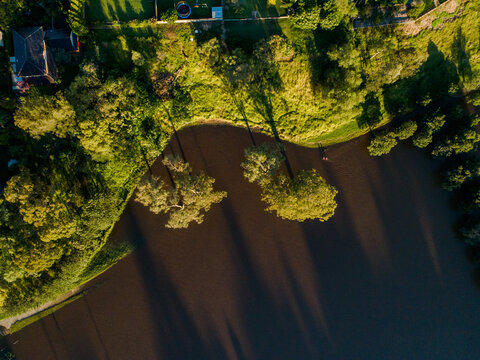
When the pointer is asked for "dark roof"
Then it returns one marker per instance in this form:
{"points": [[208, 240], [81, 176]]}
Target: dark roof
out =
{"points": [[32, 56], [61, 39]]}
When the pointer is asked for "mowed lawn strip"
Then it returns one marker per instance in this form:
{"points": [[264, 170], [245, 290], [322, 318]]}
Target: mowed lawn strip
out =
{"points": [[120, 10]]}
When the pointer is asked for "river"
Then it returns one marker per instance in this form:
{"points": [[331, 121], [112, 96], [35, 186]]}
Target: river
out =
{"points": [[385, 278]]}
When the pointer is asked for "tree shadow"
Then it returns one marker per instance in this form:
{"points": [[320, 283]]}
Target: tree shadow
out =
{"points": [[423, 87], [171, 322], [460, 55], [371, 113], [325, 72]]}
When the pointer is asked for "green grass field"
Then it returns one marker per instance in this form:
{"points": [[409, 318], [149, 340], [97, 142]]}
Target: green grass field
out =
{"points": [[120, 10]]}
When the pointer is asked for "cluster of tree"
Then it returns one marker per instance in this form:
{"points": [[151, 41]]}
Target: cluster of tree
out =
{"points": [[80, 154], [186, 200], [326, 14], [457, 172], [9, 11], [384, 141], [304, 196], [460, 136], [24, 13]]}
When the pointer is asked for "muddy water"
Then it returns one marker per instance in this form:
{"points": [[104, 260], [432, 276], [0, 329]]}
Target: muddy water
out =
{"points": [[385, 278]]}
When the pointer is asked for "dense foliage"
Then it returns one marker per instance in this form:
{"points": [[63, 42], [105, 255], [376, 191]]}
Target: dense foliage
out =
{"points": [[186, 200], [304, 196]]}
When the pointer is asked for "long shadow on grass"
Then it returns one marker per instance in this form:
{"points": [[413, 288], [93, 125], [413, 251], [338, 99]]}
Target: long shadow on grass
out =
{"points": [[433, 81]]}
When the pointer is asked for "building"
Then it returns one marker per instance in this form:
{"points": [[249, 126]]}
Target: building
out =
{"points": [[34, 61]]}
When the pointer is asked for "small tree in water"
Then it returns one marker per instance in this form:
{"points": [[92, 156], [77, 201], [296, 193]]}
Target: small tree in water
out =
{"points": [[262, 163], [305, 196], [382, 143], [188, 200]]}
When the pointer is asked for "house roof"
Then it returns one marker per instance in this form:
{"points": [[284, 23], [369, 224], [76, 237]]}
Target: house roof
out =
{"points": [[32, 56], [61, 39]]}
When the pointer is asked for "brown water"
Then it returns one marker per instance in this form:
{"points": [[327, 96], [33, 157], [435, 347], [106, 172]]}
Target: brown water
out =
{"points": [[385, 278]]}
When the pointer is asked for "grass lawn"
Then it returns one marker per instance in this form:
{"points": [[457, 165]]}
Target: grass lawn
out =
{"points": [[121, 10]]}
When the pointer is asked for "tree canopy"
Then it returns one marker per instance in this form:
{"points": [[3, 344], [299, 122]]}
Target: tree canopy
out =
{"points": [[382, 143], [306, 196], [262, 162], [187, 200], [42, 114]]}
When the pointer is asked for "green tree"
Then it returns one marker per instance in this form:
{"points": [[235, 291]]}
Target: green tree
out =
{"points": [[306, 196], [262, 163], [187, 201], [469, 197], [41, 204], [382, 143], [42, 114], [453, 176], [327, 14], [108, 114], [430, 125], [9, 12], [456, 144], [469, 231], [405, 130]]}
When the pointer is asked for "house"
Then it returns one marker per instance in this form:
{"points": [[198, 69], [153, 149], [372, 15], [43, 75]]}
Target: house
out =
{"points": [[34, 60]]}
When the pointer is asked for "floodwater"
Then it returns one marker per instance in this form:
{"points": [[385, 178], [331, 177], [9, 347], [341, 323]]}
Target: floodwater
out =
{"points": [[385, 278]]}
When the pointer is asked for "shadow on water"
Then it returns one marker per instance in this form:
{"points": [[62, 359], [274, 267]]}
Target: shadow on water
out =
{"points": [[172, 324], [383, 279]]}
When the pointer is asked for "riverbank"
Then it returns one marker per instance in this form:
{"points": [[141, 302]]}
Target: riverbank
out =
{"points": [[245, 284]]}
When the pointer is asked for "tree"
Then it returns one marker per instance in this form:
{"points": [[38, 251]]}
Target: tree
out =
{"points": [[42, 114], [469, 231], [453, 176], [430, 125], [306, 196], [9, 12], [459, 143], [41, 204], [327, 14], [262, 162], [405, 130], [186, 201], [469, 196], [108, 113], [382, 143]]}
